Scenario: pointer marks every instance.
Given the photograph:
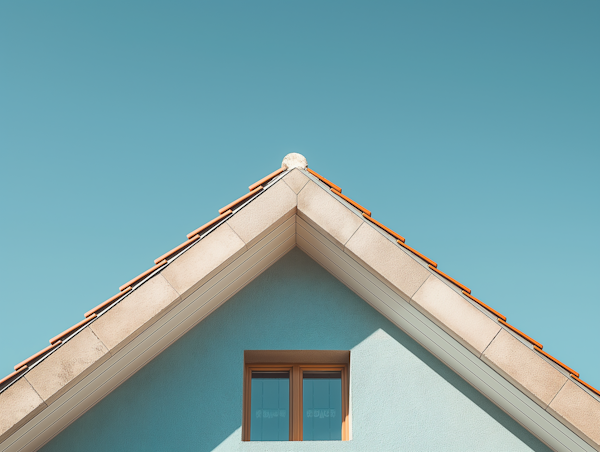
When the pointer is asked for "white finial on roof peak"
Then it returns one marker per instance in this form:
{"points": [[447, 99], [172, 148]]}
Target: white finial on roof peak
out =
{"points": [[294, 160]]}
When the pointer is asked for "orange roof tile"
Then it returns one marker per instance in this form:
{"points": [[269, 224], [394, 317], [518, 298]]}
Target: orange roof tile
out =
{"points": [[9, 376], [414, 251], [266, 179], [209, 224], [73, 328], [355, 204], [146, 273], [449, 278], [520, 333], [318, 176], [385, 228], [239, 200], [38, 354], [552, 358], [107, 302], [587, 385], [177, 248], [481, 303]]}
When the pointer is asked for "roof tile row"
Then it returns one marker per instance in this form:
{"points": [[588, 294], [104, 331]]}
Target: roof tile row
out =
{"points": [[414, 251], [520, 333], [587, 385], [9, 376], [552, 358], [385, 228], [266, 179], [354, 203], [239, 200], [56, 339], [107, 302], [449, 278], [185, 244], [40, 353], [481, 303], [209, 224], [326, 181], [142, 275]]}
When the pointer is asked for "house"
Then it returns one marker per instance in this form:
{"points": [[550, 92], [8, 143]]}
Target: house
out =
{"points": [[295, 315]]}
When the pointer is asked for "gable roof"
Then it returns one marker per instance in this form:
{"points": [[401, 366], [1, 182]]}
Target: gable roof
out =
{"points": [[295, 206]]}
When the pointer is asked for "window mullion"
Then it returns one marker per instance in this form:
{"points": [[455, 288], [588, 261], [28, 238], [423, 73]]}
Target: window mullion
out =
{"points": [[296, 404]]}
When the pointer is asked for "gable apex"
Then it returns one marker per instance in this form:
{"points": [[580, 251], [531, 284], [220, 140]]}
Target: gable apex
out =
{"points": [[295, 206]]}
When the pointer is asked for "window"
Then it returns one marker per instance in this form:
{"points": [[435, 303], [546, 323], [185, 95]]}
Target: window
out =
{"points": [[296, 401]]}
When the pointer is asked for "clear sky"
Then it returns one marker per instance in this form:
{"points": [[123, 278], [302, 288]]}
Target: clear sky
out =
{"points": [[470, 128]]}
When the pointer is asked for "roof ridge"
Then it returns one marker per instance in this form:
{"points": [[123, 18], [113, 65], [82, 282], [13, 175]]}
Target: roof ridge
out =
{"points": [[316, 202], [225, 212]]}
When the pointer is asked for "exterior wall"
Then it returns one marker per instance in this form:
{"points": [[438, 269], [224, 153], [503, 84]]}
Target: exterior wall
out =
{"points": [[189, 398]]}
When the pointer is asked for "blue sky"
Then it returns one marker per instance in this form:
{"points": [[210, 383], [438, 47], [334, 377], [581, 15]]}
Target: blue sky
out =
{"points": [[471, 128]]}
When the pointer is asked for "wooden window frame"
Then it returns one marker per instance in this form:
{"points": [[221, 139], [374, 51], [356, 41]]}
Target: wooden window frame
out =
{"points": [[296, 374]]}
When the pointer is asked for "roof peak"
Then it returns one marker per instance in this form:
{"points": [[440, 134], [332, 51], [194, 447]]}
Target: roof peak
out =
{"points": [[294, 160]]}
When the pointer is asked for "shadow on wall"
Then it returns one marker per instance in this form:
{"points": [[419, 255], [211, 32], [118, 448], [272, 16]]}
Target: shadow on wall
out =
{"points": [[189, 398]]}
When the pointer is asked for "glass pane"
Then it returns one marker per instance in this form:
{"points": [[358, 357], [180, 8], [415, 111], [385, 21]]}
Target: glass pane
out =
{"points": [[270, 406], [322, 406]]}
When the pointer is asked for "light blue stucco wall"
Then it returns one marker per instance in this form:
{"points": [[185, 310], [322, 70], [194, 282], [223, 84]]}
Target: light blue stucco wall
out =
{"points": [[189, 398]]}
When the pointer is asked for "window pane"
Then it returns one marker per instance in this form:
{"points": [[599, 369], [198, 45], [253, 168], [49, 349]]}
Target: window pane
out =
{"points": [[270, 406], [322, 406]]}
